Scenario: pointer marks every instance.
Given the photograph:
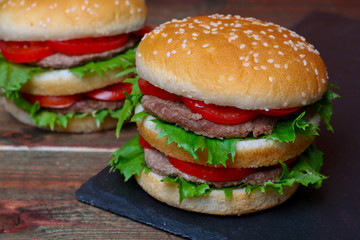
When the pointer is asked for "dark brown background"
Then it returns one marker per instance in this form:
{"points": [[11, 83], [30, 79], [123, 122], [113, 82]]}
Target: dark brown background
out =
{"points": [[40, 171]]}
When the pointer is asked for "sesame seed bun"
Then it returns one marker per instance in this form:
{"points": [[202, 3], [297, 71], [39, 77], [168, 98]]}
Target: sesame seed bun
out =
{"points": [[86, 124], [249, 153], [233, 61], [34, 20], [215, 202]]}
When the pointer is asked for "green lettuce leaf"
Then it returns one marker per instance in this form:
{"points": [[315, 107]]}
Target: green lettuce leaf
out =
{"points": [[131, 101], [285, 130], [129, 160], [324, 105], [188, 189], [305, 171], [125, 60], [13, 76]]}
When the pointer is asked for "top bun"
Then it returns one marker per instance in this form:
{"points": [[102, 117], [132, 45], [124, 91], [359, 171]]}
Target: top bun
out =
{"points": [[233, 61], [40, 20]]}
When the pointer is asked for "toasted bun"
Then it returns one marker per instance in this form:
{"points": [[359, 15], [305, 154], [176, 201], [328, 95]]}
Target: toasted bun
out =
{"points": [[233, 61], [215, 202], [63, 82], [34, 20], [249, 153], [81, 125]]}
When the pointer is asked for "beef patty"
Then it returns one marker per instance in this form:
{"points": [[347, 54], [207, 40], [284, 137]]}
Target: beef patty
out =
{"points": [[179, 114], [159, 164], [89, 105]]}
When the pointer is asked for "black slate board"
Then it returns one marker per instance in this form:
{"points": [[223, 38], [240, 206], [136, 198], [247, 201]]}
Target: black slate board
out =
{"points": [[331, 212]]}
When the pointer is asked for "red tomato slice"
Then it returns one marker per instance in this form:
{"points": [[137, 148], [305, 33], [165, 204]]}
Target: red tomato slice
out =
{"points": [[111, 93], [143, 31], [52, 101], [144, 143], [24, 52], [149, 89], [278, 112], [211, 173], [88, 45], [219, 114]]}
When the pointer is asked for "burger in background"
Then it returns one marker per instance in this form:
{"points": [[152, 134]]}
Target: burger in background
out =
{"points": [[65, 65], [227, 110]]}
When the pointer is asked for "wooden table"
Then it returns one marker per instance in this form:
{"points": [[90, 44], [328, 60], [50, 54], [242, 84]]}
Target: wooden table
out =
{"points": [[40, 171]]}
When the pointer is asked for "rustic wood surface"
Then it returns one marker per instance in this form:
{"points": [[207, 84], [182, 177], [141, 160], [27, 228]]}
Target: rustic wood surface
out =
{"points": [[40, 171]]}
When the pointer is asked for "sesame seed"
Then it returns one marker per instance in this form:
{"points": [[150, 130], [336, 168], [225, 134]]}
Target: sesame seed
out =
{"points": [[263, 67], [272, 36], [168, 54], [286, 66], [271, 79], [256, 68], [242, 46], [277, 65], [189, 52], [316, 72], [195, 34], [139, 54], [305, 62], [241, 58], [256, 54], [164, 34], [173, 51], [256, 60], [276, 46], [285, 36], [205, 45], [303, 94], [169, 40], [323, 80], [246, 64], [281, 53], [302, 55], [265, 44], [270, 60], [254, 43], [263, 32]]}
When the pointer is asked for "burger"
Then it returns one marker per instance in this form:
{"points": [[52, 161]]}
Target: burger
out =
{"points": [[227, 109], [65, 65]]}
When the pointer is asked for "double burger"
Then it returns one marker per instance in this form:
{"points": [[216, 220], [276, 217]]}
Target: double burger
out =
{"points": [[228, 109], [65, 65]]}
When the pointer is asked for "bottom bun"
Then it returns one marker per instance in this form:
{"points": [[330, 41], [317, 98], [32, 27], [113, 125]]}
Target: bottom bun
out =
{"points": [[215, 202], [76, 125]]}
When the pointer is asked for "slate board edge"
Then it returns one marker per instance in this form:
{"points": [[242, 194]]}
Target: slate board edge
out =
{"points": [[87, 194]]}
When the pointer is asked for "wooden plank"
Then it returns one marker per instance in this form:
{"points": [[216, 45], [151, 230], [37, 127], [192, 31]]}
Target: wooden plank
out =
{"points": [[37, 200]]}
